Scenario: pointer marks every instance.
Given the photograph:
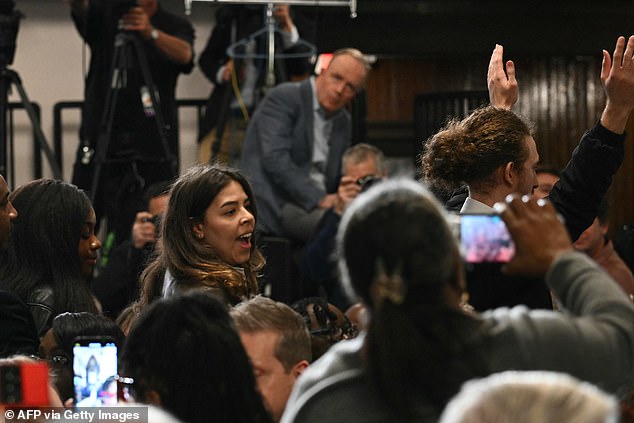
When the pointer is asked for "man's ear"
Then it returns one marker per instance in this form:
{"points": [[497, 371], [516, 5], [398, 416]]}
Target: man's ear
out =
{"points": [[299, 368], [508, 173]]}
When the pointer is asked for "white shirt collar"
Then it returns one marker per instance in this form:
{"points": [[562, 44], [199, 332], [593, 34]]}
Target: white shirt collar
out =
{"points": [[474, 206]]}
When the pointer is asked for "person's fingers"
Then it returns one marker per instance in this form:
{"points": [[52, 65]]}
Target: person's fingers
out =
{"points": [[514, 205], [606, 65], [142, 216], [510, 71], [617, 56], [546, 206], [496, 58], [345, 180], [351, 190], [629, 52]]}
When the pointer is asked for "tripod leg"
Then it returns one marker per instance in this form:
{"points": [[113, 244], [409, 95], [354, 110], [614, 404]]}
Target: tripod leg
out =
{"points": [[158, 114], [4, 103], [35, 123], [107, 120]]}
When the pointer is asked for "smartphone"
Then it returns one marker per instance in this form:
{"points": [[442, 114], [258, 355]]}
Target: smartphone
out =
{"points": [[485, 239], [95, 372], [24, 384]]}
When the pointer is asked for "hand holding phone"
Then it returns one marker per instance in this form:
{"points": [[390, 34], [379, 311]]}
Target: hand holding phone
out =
{"points": [[485, 239], [95, 372]]}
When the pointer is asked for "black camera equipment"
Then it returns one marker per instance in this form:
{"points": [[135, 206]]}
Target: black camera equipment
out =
{"points": [[119, 7], [128, 49], [9, 25], [156, 221], [367, 181]]}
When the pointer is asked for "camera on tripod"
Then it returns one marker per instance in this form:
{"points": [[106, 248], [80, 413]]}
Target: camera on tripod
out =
{"points": [[120, 7], [9, 25]]}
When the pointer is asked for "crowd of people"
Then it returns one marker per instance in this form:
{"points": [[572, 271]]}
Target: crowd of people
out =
{"points": [[396, 322]]}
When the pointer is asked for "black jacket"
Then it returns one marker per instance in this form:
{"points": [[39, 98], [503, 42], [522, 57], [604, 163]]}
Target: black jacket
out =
{"points": [[584, 182]]}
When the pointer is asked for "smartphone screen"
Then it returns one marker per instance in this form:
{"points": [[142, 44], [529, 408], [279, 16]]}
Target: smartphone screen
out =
{"points": [[94, 372], [485, 239]]}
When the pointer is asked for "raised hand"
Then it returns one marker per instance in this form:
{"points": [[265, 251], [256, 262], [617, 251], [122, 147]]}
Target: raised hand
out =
{"points": [[282, 15], [617, 76], [503, 89]]}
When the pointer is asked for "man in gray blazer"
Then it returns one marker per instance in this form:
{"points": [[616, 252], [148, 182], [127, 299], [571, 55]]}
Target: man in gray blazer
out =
{"points": [[294, 143]]}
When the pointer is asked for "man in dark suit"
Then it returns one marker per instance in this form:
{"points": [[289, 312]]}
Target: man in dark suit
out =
{"points": [[294, 143], [241, 80]]}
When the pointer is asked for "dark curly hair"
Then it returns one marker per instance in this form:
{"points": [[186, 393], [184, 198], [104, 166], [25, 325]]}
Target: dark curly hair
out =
{"points": [[470, 150]]}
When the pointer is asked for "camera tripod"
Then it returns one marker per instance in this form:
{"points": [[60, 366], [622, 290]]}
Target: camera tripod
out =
{"points": [[127, 46], [9, 78]]}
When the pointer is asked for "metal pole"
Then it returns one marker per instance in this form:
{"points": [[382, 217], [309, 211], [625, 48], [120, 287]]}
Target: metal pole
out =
{"points": [[270, 58]]}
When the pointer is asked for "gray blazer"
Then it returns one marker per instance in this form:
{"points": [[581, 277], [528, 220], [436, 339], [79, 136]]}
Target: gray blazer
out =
{"points": [[278, 148]]}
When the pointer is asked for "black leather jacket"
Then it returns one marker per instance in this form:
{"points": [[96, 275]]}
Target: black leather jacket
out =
{"points": [[41, 303]]}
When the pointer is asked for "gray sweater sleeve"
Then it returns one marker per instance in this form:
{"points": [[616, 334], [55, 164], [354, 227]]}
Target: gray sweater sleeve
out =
{"points": [[592, 339]]}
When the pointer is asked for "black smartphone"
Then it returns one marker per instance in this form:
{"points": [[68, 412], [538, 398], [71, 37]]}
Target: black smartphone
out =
{"points": [[485, 239], [95, 372]]}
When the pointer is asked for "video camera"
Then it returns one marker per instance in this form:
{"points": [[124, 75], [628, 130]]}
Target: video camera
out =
{"points": [[9, 25]]}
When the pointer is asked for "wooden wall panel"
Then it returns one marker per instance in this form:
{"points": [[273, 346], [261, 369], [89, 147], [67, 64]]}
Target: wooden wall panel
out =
{"points": [[562, 96]]}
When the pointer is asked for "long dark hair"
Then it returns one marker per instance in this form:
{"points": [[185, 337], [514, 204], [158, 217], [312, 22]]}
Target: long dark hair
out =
{"points": [[418, 346], [45, 241], [186, 349], [191, 263]]}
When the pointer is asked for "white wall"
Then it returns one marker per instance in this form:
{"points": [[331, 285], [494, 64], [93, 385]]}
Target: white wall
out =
{"points": [[49, 60]]}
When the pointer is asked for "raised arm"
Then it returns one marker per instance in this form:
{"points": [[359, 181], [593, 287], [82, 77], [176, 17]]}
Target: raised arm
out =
{"points": [[588, 175], [502, 85], [617, 76]]}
